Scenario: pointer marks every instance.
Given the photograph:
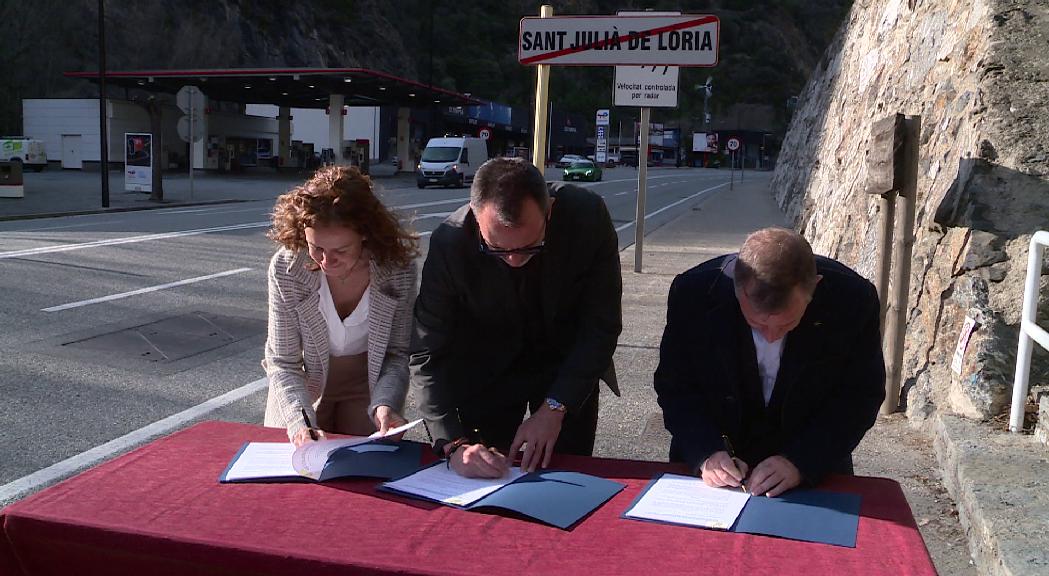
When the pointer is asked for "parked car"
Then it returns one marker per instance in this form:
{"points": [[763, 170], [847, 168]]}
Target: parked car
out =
{"points": [[568, 159], [582, 170]]}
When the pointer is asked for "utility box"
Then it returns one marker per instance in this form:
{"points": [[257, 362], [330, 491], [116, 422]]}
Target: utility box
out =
{"points": [[11, 180]]}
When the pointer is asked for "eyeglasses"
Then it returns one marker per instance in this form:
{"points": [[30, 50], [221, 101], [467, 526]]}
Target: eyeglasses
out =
{"points": [[526, 251]]}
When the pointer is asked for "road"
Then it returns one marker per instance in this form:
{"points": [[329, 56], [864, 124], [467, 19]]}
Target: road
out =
{"points": [[120, 323]]}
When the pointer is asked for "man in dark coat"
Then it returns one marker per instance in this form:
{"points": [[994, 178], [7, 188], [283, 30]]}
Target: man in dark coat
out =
{"points": [[519, 308], [770, 369]]}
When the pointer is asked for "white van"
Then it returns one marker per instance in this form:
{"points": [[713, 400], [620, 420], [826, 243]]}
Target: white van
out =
{"points": [[25, 150], [451, 161]]}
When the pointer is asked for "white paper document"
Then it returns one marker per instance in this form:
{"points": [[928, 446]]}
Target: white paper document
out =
{"points": [[309, 460], [440, 483], [263, 460], [687, 500]]}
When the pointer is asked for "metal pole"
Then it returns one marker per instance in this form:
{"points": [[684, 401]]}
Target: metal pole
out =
{"points": [[902, 246], [102, 120], [731, 170], [192, 93], [886, 206], [642, 176], [542, 87], [1028, 317]]}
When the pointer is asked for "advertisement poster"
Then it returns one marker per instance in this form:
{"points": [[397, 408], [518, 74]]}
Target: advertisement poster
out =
{"points": [[704, 142], [138, 162]]}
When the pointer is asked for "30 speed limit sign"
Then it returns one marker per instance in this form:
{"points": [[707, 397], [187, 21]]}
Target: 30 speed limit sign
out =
{"points": [[732, 144]]}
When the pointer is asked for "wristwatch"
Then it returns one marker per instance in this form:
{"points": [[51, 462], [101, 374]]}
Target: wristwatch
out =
{"points": [[555, 405]]}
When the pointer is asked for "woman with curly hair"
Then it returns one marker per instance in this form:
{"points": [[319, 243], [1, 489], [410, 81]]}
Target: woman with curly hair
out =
{"points": [[341, 289]]}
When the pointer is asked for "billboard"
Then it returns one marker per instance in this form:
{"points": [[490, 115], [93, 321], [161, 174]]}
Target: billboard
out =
{"points": [[138, 162], [705, 142]]}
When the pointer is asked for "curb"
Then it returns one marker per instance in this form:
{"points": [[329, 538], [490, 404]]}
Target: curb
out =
{"points": [[999, 484]]}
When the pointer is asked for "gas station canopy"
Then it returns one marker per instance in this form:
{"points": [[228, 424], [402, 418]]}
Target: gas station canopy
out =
{"points": [[292, 87]]}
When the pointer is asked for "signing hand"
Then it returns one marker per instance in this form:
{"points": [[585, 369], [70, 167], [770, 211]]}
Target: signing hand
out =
{"points": [[538, 434], [774, 476], [303, 436], [387, 418], [478, 461], [720, 469]]}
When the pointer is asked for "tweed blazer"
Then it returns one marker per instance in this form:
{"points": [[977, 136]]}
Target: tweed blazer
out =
{"points": [[297, 348]]}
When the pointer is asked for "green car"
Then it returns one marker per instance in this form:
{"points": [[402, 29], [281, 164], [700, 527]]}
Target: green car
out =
{"points": [[582, 170]]}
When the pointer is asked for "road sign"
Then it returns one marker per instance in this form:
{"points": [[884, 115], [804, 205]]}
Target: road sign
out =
{"points": [[183, 129], [684, 40], [190, 97], [602, 117], [654, 86], [484, 133], [732, 144]]}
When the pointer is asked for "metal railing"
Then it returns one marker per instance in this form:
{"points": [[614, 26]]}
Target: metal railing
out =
{"points": [[1030, 331]]}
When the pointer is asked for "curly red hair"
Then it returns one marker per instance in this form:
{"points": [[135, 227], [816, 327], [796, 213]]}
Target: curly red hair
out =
{"points": [[342, 196]]}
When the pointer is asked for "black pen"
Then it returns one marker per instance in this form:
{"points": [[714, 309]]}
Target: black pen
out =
{"points": [[731, 454], [306, 419]]}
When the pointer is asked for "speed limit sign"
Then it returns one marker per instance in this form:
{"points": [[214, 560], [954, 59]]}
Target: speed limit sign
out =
{"points": [[484, 133], [732, 144]]}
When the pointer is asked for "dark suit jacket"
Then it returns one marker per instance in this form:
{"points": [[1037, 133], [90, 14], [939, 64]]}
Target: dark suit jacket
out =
{"points": [[828, 389], [467, 323]]}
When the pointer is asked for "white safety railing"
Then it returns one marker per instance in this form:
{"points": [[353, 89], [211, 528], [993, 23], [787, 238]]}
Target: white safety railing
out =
{"points": [[1030, 331]]}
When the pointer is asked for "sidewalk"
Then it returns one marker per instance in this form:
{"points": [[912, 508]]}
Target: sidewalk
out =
{"points": [[632, 426], [65, 192]]}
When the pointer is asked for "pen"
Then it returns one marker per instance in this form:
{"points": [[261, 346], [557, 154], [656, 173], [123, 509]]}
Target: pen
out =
{"points": [[306, 419], [731, 454]]}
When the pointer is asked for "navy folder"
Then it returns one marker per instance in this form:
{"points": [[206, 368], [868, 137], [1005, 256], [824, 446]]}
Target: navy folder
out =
{"points": [[347, 462], [557, 498]]}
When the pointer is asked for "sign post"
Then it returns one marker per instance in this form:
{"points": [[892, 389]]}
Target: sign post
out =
{"points": [[542, 87], [642, 180], [733, 146], [191, 101], [601, 138]]}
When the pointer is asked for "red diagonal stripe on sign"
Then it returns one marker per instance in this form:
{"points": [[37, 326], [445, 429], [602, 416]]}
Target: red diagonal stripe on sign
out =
{"points": [[601, 44]]}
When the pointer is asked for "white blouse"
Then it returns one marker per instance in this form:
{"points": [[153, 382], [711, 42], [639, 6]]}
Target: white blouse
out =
{"points": [[345, 337]]}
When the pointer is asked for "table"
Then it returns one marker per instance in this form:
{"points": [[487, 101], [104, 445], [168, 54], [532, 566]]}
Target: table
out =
{"points": [[160, 510]]}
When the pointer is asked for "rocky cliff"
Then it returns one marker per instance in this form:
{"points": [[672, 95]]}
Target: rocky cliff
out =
{"points": [[977, 72]]}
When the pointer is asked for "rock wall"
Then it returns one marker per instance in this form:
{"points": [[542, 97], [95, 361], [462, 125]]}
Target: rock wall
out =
{"points": [[977, 72]]}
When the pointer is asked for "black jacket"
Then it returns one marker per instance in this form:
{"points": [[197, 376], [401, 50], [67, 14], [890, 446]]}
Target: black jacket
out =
{"points": [[468, 328], [828, 389]]}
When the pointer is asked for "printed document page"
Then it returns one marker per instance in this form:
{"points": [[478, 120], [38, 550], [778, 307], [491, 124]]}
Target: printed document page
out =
{"points": [[263, 460], [442, 484], [309, 460], [687, 500]]}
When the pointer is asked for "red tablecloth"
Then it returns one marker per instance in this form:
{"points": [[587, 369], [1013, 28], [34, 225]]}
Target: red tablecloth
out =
{"points": [[160, 510]]}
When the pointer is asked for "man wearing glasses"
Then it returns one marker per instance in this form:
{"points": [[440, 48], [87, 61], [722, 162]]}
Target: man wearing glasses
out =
{"points": [[519, 309]]}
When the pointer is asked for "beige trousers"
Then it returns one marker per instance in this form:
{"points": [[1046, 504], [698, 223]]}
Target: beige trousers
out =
{"points": [[343, 407]]}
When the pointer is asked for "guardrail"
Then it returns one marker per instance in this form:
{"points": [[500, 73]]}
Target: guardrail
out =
{"points": [[1030, 331]]}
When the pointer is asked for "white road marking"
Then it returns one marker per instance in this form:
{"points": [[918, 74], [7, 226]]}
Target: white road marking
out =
{"points": [[16, 489], [127, 240], [669, 206], [143, 290]]}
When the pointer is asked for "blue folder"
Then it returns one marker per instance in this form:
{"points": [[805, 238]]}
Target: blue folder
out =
{"points": [[553, 497], [806, 515], [348, 463]]}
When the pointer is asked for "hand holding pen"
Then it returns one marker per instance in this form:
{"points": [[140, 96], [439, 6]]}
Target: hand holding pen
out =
{"points": [[722, 468], [307, 434]]}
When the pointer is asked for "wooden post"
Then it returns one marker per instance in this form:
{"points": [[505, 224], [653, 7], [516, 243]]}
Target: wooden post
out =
{"points": [[642, 185], [886, 207], [885, 178], [902, 248], [542, 89]]}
